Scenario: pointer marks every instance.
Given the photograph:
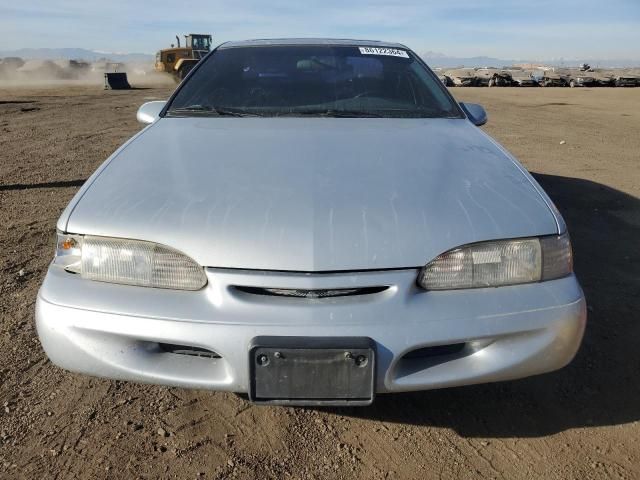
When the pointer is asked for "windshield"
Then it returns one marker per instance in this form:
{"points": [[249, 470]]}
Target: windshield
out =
{"points": [[309, 80]]}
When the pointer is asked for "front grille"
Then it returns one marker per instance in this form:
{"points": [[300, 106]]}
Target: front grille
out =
{"points": [[311, 293]]}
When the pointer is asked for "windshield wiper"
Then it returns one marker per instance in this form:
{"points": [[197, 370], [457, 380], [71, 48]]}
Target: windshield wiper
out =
{"points": [[213, 111], [234, 112], [330, 112], [351, 114], [206, 110]]}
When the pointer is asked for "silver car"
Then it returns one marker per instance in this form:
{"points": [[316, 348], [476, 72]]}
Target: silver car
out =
{"points": [[311, 222]]}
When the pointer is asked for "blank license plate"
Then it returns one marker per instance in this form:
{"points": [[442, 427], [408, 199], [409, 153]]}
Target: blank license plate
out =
{"points": [[312, 371]]}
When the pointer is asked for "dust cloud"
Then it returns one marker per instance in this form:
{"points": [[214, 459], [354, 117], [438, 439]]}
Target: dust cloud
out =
{"points": [[16, 72]]}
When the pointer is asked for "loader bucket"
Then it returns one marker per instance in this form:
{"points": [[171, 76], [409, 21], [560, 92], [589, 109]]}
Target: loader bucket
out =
{"points": [[116, 81]]}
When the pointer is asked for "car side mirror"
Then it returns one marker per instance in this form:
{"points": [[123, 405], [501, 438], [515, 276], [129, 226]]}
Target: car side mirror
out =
{"points": [[476, 113], [149, 112]]}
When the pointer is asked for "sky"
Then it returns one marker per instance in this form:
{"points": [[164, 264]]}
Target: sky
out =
{"points": [[512, 29]]}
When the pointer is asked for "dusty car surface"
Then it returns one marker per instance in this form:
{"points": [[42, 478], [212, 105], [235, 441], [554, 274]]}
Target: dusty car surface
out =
{"points": [[311, 222]]}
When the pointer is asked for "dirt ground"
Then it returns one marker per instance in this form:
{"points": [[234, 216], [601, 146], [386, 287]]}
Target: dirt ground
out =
{"points": [[581, 422]]}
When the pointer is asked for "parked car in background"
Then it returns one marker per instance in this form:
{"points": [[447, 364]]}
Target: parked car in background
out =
{"points": [[627, 78], [578, 78], [311, 222], [461, 77], [550, 78], [603, 77], [523, 78], [493, 77]]}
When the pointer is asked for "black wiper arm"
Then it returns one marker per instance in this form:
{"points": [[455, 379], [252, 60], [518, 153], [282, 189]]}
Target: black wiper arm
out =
{"points": [[207, 110], [234, 112], [333, 113], [190, 109], [351, 114]]}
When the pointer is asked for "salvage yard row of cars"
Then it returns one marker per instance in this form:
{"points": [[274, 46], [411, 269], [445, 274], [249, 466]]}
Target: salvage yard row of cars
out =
{"points": [[585, 76]]}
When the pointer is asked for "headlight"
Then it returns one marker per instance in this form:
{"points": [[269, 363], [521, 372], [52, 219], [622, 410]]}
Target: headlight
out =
{"points": [[498, 263], [130, 262]]}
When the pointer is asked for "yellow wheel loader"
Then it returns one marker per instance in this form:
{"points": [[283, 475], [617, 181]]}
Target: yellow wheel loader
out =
{"points": [[178, 61]]}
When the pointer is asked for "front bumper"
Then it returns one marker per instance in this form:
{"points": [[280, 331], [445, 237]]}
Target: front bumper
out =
{"points": [[116, 331]]}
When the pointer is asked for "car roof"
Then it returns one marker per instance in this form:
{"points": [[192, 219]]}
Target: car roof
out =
{"points": [[311, 41]]}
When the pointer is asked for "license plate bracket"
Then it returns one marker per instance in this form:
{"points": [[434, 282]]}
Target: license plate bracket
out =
{"points": [[312, 370]]}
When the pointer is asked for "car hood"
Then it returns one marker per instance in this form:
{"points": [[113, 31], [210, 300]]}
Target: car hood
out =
{"points": [[310, 194]]}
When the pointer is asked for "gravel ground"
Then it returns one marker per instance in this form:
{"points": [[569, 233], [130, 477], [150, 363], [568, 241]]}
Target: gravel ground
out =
{"points": [[580, 422]]}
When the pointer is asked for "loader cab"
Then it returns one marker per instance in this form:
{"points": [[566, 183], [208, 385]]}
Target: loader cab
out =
{"points": [[199, 43]]}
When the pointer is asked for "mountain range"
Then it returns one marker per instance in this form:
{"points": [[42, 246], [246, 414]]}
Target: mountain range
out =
{"points": [[434, 59], [75, 54]]}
